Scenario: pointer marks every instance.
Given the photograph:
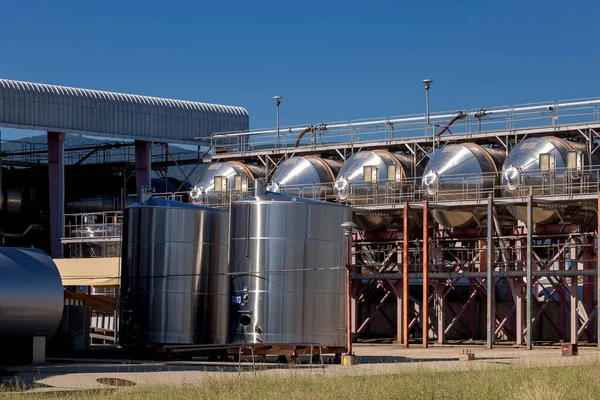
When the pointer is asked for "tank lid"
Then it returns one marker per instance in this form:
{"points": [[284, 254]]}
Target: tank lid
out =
{"points": [[158, 202]]}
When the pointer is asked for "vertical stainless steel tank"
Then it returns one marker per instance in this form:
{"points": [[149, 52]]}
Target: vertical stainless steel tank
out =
{"points": [[287, 270], [174, 266], [306, 176], [374, 177], [546, 166], [222, 179], [464, 171], [31, 293]]}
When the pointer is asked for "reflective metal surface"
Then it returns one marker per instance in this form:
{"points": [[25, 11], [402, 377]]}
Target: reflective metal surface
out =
{"points": [[351, 188], [174, 266], [308, 176], [460, 172], [31, 293], [521, 173], [204, 192], [287, 274]]}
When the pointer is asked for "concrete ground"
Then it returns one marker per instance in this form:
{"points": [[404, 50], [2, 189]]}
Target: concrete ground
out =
{"points": [[374, 359]]}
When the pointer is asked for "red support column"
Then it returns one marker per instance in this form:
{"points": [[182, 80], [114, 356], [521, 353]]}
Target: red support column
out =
{"points": [[56, 186], [405, 295], [425, 256], [142, 163]]}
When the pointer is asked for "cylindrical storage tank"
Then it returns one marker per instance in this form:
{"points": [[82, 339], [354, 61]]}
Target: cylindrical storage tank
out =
{"points": [[306, 176], [31, 294], [374, 177], [465, 171], [223, 178], [287, 270], [174, 266], [540, 164]]}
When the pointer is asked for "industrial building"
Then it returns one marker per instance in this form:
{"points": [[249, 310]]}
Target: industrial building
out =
{"points": [[470, 225]]}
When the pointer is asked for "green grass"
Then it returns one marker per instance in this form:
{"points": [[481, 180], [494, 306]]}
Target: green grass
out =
{"points": [[511, 382]]}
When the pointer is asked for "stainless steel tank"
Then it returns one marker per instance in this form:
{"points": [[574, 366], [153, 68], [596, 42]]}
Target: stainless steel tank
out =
{"points": [[542, 165], [374, 177], [31, 293], [223, 178], [174, 266], [306, 176], [287, 270], [463, 171]]}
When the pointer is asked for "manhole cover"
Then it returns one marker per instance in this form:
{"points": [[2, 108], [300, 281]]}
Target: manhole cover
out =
{"points": [[115, 382]]}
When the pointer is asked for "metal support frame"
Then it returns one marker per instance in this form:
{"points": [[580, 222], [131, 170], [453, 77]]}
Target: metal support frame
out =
{"points": [[405, 289], [491, 317], [425, 261], [529, 277], [56, 185]]}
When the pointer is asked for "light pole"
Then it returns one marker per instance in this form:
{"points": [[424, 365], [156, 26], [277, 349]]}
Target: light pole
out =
{"points": [[277, 103], [427, 83], [349, 227]]}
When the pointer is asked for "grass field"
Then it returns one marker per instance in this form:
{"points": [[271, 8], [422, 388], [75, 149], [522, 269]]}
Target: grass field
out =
{"points": [[503, 382]]}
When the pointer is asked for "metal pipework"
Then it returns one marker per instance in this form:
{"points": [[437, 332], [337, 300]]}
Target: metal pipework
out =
{"points": [[414, 119], [348, 229]]}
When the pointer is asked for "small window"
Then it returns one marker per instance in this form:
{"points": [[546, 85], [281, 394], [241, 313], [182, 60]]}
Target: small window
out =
{"points": [[369, 173], [393, 173], [220, 183], [547, 162], [575, 160], [237, 183]]}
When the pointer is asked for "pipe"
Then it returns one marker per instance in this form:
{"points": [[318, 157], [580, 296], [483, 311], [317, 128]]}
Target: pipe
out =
{"points": [[458, 116], [417, 119], [304, 132], [349, 297]]}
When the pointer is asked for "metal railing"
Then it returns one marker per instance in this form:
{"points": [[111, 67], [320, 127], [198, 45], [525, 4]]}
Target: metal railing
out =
{"points": [[545, 114], [93, 225]]}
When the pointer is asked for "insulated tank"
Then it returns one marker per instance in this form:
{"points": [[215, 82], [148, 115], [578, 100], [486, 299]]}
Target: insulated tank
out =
{"points": [[306, 176], [31, 294], [521, 171], [222, 178], [174, 266], [374, 177], [465, 171], [287, 270]]}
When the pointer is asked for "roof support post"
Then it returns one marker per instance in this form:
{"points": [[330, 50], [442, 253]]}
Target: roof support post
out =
{"points": [[56, 187], [142, 162]]}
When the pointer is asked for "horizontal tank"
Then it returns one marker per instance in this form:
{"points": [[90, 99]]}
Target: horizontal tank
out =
{"points": [[463, 171], [174, 267], [31, 294], [287, 271], [542, 165], [222, 178], [306, 176], [374, 177]]}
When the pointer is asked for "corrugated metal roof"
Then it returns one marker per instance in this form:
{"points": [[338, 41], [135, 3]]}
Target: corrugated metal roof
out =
{"points": [[44, 107]]}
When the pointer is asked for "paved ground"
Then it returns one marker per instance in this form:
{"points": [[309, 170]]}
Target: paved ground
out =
{"points": [[374, 359]]}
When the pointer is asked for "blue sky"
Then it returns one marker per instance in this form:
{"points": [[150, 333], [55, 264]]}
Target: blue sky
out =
{"points": [[330, 61]]}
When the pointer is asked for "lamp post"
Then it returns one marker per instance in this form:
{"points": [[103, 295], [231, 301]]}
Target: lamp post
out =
{"points": [[277, 103], [427, 83], [349, 227]]}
